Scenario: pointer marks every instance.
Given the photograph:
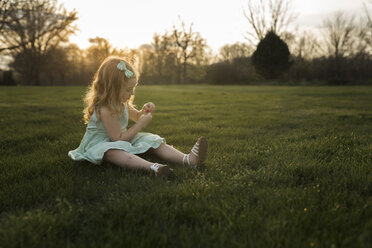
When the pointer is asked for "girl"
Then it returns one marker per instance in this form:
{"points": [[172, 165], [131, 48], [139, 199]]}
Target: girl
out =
{"points": [[109, 105]]}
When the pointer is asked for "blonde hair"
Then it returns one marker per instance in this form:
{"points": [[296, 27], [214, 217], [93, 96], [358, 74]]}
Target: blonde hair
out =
{"points": [[107, 88]]}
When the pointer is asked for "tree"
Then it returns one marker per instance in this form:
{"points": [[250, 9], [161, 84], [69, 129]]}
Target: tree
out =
{"points": [[99, 49], [306, 46], [340, 31], [4, 6], [65, 66], [27, 22], [236, 50], [272, 57], [30, 28], [161, 49], [267, 15], [179, 56], [367, 31], [367, 13], [189, 44]]}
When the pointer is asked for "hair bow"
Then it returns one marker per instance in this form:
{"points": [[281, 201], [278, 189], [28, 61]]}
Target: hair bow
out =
{"points": [[122, 67]]}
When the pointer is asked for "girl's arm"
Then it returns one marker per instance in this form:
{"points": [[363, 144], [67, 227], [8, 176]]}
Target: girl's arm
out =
{"points": [[112, 125], [135, 114]]}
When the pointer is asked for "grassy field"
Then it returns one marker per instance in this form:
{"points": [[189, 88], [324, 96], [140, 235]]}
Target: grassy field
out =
{"points": [[287, 167]]}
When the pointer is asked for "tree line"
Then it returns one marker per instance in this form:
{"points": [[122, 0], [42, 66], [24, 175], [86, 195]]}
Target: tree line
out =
{"points": [[34, 38]]}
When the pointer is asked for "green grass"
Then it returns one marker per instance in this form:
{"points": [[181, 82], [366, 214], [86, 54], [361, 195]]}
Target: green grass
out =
{"points": [[287, 167]]}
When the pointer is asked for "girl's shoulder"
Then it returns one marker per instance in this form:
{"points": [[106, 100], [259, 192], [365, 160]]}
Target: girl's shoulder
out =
{"points": [[102, 111], [105, 112]]}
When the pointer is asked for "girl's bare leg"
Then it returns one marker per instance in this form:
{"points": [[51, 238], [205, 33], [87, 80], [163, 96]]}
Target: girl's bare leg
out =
{"points": [[196, 157], [126, 160], [169, 153]]}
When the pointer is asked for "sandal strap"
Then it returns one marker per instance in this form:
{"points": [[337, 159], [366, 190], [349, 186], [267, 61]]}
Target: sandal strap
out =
{"points": [[195, 149], [183, 159], [155, 167], [186, 158]]}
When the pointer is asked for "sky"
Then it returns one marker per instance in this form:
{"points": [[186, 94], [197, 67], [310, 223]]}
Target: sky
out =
{"points": [[131, 23]]}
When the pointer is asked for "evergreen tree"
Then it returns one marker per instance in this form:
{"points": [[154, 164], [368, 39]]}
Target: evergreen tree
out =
{"points": [[272, 57]]}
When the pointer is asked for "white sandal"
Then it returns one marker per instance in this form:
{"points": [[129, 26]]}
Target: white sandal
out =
{"points": [[162, 171], [199, 150]]}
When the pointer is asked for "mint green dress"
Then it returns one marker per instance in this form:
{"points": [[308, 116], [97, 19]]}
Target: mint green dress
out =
{"points": [[96, 141]]}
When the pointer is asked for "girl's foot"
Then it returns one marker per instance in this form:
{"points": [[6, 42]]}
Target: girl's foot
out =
{"points": [[197, 155], [161, 170]]}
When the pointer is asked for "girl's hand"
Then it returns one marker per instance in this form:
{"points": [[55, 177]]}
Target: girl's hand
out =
{"points": [[148, 107], [145, 119]]}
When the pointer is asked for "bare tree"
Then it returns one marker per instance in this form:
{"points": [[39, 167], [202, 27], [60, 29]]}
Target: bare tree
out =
{"points": [[267, 15], [30, 28], [35, 23], [367, 12], [306, 46], [174, 57], [340, 31], [4, 6], [189, 44], [367, 31]]}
